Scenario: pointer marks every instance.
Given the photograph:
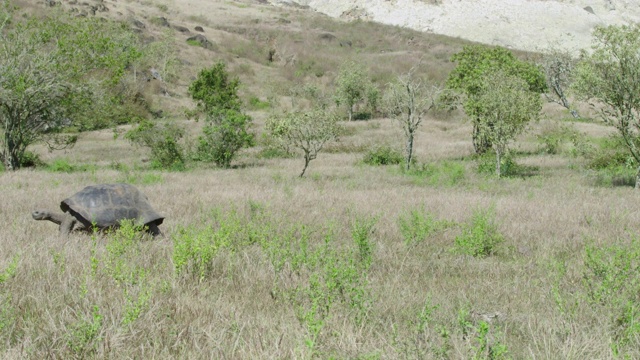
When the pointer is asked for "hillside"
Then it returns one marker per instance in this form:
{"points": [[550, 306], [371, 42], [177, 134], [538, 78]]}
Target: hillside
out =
{"points": [[531, 25]]}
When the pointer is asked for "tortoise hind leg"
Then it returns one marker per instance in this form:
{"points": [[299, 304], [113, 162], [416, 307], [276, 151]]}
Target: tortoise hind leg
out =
{"points": [[67, 225]]}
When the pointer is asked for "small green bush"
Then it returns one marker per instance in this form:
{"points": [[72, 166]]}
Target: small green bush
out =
{"points": [[446, 173], [30, 159], [615, 176], [361, 232], [611, 152], [194, 248], [383, 155], [479, 237], [554, 136], [509, 167], [163, 141], [85, 334], [611, 281], [62, 165], [224, 135], [256, 104], [417, 225]]}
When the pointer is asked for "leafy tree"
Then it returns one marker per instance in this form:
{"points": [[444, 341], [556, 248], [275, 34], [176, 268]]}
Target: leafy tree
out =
{"points": [[610, 76], [101, 56], [224, 135], [508, 106], [353, 86], [307, 131], [558, 65], [473, 63], [408, 99], [57, 72], [227, 129], [214, 90]]}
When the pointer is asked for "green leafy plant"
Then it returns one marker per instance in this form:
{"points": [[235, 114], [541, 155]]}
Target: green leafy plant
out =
{"points": [[63, 165], [214, 90], [611, 282], [480, 236], [608, 76], [448, 173], [227, 129], [164, 142], [224, 135], [10, 271], [361, 232], [418, 225], [194, 248], [487, 348], [553, 136], [352, 87], [383, 155], [507, 107], [305, 131], [85, 333], [474, 63]]}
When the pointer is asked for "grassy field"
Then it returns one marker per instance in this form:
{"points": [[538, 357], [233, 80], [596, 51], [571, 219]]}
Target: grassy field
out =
{"points": [[351, 262]]}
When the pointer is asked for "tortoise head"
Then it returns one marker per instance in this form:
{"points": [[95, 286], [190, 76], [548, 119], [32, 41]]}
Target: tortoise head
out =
{"points": [[41, 214]]}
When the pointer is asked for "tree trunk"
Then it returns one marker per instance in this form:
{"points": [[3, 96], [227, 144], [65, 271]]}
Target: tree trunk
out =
{"points": [[409, 151], [480, 143], [498, 160], [307, 160], [11, 158], [637, 187]]}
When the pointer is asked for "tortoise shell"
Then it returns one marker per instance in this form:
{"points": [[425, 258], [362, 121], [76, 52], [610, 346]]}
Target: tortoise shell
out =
{"points": [[106, 205]]}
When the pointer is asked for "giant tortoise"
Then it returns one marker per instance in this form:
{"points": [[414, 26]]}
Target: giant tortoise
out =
{"points": [[103, 207]]}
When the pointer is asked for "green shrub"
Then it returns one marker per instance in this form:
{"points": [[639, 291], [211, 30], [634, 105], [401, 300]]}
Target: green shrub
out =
{"points": [[31, 159], [163, 141], [611, 152], [195, 248], [417, 225], [63, 165], [611, 282], [554, 136], [479, 237], [509, 167], [85, 334], [447, 173], [256, 104], [224, 135], [361, 232], [615, 176], [383, 155]]}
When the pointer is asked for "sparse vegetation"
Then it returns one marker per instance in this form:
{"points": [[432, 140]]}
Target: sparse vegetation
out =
{"points": [[357, 262]]}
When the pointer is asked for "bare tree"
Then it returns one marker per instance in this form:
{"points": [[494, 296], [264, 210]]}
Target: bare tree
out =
{"points": [[408, 99], [558, 65]]}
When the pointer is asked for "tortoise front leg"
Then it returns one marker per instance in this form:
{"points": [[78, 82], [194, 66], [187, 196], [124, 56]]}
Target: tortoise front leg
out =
{"points": [[67, 225], [154, 230]]}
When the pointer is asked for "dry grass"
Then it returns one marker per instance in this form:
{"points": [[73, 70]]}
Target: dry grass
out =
{"points": [[84, 297], [543, 311]]}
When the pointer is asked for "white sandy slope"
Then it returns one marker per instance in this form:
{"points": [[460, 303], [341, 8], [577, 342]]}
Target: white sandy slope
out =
{"points": [[521, 24]]}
